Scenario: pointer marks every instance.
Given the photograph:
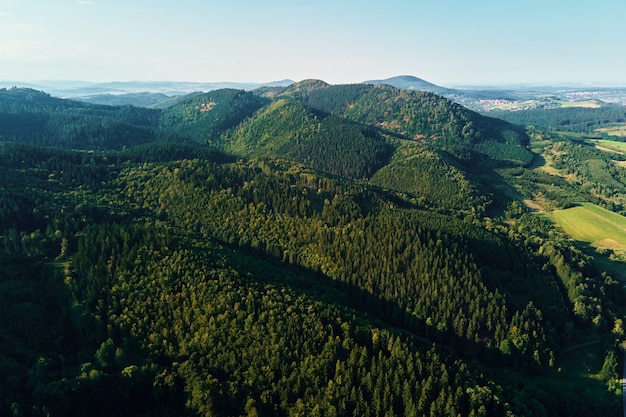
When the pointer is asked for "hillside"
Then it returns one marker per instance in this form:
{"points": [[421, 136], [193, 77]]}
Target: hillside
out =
{"points": [[36, 118], [175, 271], [287, 129], [410, 82], [589, 120], [352, 250], [415, 115], [144, 99], [365, 132], [202, 117]]}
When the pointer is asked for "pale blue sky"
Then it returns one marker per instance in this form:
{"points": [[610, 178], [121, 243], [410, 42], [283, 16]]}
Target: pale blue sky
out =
{"points": [[446, 42]]}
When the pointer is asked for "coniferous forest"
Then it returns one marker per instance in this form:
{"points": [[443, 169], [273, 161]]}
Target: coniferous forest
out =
{"points": [[313, 250]]}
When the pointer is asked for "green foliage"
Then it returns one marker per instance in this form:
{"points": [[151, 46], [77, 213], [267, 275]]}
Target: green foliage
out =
{"points": [[571, 119], [326, 299], [610, 366], [431, 179], [35, 118], [510, 152], [203, 117], [272, 129], [417, 115], [594, 171], [170, 279], [287, 129], [551, 191]]}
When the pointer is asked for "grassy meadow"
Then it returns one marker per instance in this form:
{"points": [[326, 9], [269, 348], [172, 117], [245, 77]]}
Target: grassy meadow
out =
{"points": [[601, 229], [619, 147], [594, 225]]}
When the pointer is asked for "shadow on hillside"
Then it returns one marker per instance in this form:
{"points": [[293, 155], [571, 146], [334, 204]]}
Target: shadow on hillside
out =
{"points": [[537, 162], [372, 308]]}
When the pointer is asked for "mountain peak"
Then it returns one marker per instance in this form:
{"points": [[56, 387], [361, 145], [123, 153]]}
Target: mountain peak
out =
{"points": [[409, 82], [310, 84]]}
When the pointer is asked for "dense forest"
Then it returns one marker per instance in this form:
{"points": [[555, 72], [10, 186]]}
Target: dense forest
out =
{"points": [[568, 119], [294, 255]]}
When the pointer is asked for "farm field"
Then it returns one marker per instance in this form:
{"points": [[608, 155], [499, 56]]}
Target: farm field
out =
{"points": [[592, 224]]}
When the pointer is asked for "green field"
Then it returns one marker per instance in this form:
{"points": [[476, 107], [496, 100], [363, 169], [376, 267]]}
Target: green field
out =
{"points": [[611, 145], [592, 224]]}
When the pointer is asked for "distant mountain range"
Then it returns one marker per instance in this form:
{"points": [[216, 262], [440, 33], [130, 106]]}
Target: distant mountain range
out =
{"points": [[138, 93], [478, 98]]}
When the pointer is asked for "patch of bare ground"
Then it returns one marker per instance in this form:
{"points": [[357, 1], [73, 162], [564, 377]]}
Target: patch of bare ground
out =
{"points": [[553, 171], [610, 150], [609, 244], [535, 206]]}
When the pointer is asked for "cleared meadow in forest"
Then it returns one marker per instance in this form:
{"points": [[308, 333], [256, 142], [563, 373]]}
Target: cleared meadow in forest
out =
{"points": [[593, 224]]}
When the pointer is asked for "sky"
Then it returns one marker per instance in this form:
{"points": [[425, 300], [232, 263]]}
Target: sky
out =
{"points": [[446, 42]]}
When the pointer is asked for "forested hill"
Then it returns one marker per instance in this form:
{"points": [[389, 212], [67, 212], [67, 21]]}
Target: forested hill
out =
{"points": [[410, 82], [288, 129], [165, 280], [203, 117], [417, 115], [326, 260], [36, 118], [412, 142]]}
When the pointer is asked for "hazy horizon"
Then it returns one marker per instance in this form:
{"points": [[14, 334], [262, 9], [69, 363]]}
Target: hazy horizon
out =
{"points": [[67, 83]]}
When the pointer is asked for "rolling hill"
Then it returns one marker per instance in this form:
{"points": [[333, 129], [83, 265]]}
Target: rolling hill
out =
{"points": [[352, 250], [34, 117], [410, 82], [414, 115]]}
